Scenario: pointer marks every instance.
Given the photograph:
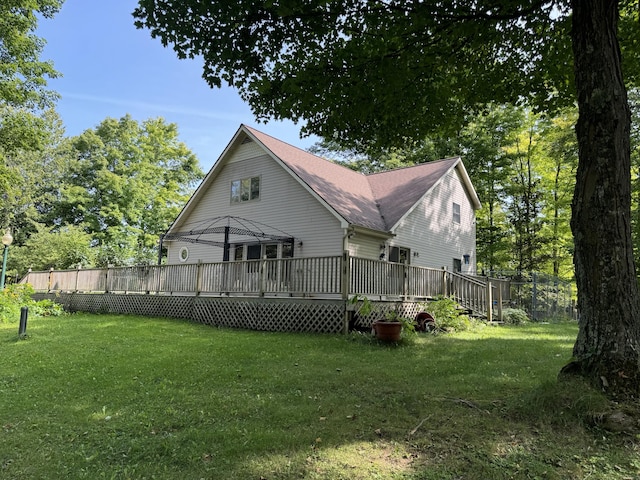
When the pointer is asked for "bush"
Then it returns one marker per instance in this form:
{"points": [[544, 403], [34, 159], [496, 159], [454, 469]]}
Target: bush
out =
{"points": [[16, 296], [514, 316], [447, 315], [12, 298], [47, 308]]}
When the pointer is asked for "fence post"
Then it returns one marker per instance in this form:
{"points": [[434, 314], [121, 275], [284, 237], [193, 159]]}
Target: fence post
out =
{"points": [[534, 296], [500, 316], [489, 302], [106, 280], [345, 270]]}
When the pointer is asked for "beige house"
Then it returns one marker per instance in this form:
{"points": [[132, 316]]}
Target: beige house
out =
{"points": [[264, 198]]}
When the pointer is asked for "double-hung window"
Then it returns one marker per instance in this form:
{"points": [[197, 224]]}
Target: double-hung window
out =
{"points": [[456, 213]]}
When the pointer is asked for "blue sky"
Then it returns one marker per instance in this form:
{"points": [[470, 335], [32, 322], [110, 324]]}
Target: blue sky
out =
{"points": [[109, 69]]}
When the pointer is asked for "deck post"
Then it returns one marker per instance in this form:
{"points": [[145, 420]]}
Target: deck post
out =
{"points": [[345, 270], [262, 275], [489, 302], [77, 273], [444, 282], [199, 278], [405, 280], [50, 279]]}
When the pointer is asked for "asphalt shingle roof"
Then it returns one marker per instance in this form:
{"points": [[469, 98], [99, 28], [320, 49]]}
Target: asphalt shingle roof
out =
{"points": [[376, 201]]}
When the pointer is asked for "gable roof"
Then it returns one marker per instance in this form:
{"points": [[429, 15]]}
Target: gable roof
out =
{"points": [[377, 201]]}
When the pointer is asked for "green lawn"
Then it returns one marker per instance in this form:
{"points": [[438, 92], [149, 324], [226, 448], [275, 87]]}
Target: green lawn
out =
{"points": [[103, 396]]}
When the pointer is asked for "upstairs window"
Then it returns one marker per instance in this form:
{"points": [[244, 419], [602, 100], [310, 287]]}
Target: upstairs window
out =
{"points": [[245, 190], [456, 213]]}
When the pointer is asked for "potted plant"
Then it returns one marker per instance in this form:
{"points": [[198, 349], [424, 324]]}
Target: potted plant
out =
{"points": [[390, 329], [387, 329]]}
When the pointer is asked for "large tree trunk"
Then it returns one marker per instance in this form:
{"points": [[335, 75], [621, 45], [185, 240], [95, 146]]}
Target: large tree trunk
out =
{"points": [[607, 350]]}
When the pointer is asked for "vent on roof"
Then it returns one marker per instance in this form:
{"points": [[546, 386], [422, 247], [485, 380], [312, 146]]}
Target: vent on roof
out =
{"points": [[246, 140]]}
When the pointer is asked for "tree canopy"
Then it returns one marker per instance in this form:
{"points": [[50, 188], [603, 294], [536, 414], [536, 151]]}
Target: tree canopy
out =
{"points": [[425, 64], [24, 98]]}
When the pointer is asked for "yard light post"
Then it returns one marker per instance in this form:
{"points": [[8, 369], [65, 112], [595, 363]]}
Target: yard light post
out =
{"points": [[7, 239]]}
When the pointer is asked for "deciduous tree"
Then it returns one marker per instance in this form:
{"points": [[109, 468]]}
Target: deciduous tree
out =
{"points": [[24, 97], [127, 181]]}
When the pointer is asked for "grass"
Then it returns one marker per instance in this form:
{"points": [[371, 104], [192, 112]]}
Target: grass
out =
{"points": [[118, 397]]}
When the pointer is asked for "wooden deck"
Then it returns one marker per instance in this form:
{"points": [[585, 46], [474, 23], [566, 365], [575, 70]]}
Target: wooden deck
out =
{"points": [[328, 278]]}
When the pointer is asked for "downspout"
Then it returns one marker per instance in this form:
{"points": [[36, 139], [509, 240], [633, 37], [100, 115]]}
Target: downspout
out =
{"points": [[345, 238]]}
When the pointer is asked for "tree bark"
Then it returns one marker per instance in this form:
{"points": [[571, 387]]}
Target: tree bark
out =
{"points": [[607, 349]]}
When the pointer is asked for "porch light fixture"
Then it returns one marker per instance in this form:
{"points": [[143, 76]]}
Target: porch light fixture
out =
{"points": [[7, 239]]}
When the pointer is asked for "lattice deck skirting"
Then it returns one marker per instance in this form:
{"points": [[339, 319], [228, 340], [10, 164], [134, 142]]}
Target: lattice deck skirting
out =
{"points": [[269, 314]]}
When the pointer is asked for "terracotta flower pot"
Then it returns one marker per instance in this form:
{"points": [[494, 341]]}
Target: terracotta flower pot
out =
{"points": [[387, 331]]}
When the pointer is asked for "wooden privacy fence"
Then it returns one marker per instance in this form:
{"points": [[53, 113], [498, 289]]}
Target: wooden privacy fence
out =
{"points": [[334, 277]]}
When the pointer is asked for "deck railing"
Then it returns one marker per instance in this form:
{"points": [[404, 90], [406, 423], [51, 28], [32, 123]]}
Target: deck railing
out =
{"points": [[322, 277]]}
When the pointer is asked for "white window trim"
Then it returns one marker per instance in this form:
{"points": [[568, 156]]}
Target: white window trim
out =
{"points": [[457, 216], [240, 200]]}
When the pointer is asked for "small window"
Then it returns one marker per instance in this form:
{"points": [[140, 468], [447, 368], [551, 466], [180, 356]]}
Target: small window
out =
{"points": [[456, 213], [245, 190], [271, 250], [253, 252], [287, 250], [183, 254], [457, 265], [399, 255], [238, 252]]}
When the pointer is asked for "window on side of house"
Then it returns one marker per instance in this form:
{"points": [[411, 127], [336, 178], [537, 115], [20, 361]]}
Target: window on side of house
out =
{"points": [[254, 251], [271, 250], [245, 190], [457, 265], [258, 251], [456, 212], [399, 254], [287, 250]]}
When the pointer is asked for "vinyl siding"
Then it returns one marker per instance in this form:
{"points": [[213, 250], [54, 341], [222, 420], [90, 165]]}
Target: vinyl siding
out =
{"points": [[284, 204], [430, 232], [365, 246]]}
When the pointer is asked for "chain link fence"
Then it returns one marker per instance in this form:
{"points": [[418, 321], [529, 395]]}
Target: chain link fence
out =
{"points": [[544, 297]]}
